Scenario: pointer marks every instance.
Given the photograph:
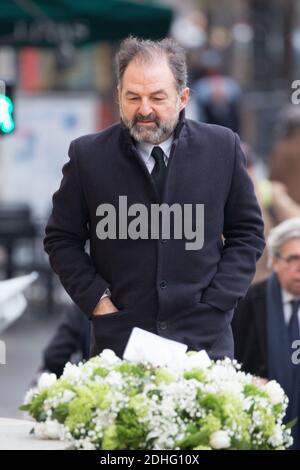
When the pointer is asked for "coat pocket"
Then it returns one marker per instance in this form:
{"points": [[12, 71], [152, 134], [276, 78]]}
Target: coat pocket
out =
{"points": [[111, 331], [199, 326]]}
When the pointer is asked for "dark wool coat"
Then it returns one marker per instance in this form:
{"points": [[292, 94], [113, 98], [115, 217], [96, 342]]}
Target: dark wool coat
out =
{"points": [[158, 285]]}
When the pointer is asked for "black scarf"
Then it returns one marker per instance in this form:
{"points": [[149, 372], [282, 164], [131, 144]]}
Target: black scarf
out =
{"points": [[280, 366]]}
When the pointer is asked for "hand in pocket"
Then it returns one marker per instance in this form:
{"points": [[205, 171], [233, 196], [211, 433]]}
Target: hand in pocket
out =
{"points": [[105, 307]]}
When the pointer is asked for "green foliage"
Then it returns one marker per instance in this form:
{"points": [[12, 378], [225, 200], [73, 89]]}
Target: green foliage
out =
{"points": [[80, 412], [254, 391], [36, 407], [131, 433], [163, 376], [197, 374]]}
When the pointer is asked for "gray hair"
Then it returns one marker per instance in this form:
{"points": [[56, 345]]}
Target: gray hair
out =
{"points": [[287, 230], [146, 50]]}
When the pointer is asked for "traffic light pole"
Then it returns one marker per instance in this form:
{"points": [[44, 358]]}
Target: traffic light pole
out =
{"points": [[6, 110]]}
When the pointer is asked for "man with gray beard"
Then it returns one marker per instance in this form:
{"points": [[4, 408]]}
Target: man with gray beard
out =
{"points": [[156, 156]]}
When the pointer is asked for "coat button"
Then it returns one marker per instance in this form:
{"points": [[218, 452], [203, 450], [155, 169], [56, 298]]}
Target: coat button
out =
{"points": [[163, 325], [163, 284], [164, 240]]}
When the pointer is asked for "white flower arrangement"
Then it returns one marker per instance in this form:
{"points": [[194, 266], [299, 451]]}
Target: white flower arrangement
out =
{"points": [[109, 403]]}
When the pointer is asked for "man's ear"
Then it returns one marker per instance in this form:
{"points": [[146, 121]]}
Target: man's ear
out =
{"points": [[184, 97], [274, 265]]}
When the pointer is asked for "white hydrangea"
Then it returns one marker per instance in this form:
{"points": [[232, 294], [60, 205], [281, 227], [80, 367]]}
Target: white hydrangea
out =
{"points": [[86, 444], [67, 396], [233, 388], [223, 372], [198, 360], [114, 379], [276, 440]]}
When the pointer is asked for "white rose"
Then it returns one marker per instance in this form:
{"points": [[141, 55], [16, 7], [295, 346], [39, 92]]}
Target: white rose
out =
{"points": [[47, 430], [220, 440], [46, 380], [53, 429], [275, 392], [109, 356], [40, 430], [72, 373]]}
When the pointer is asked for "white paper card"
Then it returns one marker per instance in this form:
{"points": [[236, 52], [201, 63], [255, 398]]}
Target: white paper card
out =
{"points": [[144, 346]]}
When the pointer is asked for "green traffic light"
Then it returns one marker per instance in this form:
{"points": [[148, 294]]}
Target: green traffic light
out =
{"points": [[6, 117]]}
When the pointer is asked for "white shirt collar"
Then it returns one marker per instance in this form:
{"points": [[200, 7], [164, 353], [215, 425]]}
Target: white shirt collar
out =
{"points": [[145, 149], [287, 296]]}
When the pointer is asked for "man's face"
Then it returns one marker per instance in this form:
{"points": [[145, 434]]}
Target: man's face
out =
{"points": [[149, 102], [287, 266]]}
